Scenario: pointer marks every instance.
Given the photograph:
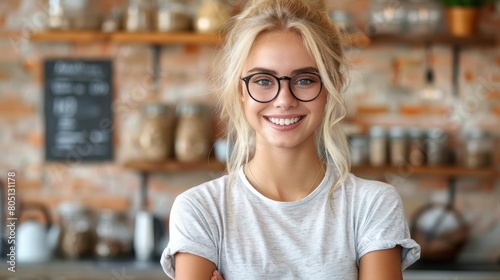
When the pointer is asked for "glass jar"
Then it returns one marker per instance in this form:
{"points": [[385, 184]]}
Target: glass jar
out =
{"points": [[138, 16], [211, 16], [172, 15], [478, 147], [424, 16], [386, 16], [359, 150], [416, 153], [77, 236], [378, 146], [156, 133], [397, 136], [437, 147], [114, 235], [192, 141]]}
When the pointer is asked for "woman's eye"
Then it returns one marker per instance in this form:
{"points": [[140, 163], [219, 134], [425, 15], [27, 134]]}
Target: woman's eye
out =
{"points": [[304, 82], [263, 82]]}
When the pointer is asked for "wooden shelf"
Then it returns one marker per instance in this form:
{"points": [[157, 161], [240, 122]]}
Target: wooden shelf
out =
{"points": [[175, 166], [445, 39], [165, 38], [162, 38], [187, 38], [213, 165], [446, 171], [125, 37], [70, 37]]}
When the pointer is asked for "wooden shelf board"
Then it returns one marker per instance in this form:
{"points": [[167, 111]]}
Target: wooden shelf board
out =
{"points": [[187, 38], [433, 39], [174, 166], [125, 37], [69, 36], [446, 171], [165, 38]]}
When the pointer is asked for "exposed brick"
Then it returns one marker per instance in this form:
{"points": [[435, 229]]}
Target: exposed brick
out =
{"points": [[106, 202], [36, 139], [12, 107]]}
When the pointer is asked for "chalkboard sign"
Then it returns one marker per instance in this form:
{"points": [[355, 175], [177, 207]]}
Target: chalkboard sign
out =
{"points": [[78, 115]]}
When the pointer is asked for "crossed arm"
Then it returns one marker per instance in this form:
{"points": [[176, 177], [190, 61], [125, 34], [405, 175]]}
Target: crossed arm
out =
{"points": [[376, 265]]}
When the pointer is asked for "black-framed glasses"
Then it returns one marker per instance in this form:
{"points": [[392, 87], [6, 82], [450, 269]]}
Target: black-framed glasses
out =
{"points": [[265, 87]]}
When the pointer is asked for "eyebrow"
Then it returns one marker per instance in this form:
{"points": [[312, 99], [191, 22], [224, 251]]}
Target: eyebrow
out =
{"points": [[300, 70]]}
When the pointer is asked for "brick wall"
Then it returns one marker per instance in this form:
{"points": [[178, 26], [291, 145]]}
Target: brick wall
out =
{"points": [[184, 73]]}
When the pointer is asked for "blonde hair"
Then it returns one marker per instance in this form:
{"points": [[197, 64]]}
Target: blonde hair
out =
{"points": [[322, 39]]}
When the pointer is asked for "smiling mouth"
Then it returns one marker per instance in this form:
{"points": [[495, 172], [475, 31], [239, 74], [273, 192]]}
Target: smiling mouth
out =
{"points": [[284, 121]]}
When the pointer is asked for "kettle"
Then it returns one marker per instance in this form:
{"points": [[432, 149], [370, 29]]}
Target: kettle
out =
{"points": [[35, 240]]}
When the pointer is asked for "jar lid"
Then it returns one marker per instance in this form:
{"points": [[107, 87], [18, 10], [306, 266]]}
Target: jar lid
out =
{"points": [[189, 109], [358, 140], [415, 132], [397, 132], [377, 131], [154, 109], [71, 208], [436, 133], [476, 133]]}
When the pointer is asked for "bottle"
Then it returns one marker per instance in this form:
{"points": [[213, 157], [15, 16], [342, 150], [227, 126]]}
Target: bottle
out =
{"points": [[144, 236]]}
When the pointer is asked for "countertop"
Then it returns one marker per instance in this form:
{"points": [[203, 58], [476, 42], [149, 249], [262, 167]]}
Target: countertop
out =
{"points": [[84, 270], [134, 270]]}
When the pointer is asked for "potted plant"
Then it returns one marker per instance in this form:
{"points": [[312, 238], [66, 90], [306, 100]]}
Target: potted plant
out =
{"points": [[462, 16]]}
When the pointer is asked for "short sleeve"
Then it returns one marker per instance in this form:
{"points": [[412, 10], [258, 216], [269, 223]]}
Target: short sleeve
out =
{"points": [[190, 231], [383, 226]]}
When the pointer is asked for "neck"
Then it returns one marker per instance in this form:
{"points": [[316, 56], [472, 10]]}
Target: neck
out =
{"points": [[285, 176]]}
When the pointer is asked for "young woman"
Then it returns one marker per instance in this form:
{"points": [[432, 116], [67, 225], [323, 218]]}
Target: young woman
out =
{"points": [[288, 208]]}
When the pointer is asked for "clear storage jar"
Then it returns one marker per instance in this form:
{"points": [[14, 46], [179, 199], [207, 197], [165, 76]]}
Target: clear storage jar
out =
{"points": [[436, 147], [398, 150], [156, 134], [171, 16], [77, 237], [477, 148], [378, 146], [359, 150], [114, 235], [416, 147], [192, 140]]}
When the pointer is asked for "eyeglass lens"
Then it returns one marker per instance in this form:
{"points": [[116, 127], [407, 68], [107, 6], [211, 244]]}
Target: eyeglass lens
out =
{"points": [[264, 87]]}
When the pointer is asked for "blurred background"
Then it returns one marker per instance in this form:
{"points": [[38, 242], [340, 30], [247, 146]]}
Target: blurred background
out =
{"points": [[106, 115]]}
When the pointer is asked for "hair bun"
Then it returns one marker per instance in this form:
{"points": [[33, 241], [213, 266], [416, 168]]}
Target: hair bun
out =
{"points": [[318, 5]]}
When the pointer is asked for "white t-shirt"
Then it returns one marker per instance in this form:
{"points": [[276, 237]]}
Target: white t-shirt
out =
{"points": [[248, 236]]}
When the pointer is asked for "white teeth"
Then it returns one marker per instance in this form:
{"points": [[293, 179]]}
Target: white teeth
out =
{"points": [[284, 121]]}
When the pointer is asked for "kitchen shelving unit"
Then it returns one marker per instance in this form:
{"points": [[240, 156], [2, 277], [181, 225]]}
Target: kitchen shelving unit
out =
{"points": [[157, 40]]}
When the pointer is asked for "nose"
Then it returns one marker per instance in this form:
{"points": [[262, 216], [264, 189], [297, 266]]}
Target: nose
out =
{"points": [[285, 98]]}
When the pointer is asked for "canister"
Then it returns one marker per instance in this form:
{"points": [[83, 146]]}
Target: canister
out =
{"points": [[398, 146], [156, 134], [192, 140], [378, 146]]}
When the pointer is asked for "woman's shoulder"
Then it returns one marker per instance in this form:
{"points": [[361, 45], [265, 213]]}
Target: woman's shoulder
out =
{"points": [[369, 189], [212, 187]]}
